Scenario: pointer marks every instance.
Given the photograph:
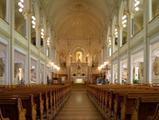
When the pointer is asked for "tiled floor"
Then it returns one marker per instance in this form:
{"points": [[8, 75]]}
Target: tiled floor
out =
{"points": [[79, 107]]}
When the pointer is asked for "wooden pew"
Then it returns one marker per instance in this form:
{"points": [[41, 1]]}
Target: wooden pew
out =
{"points": [[137, 106], [39, 101], [156, 115], [1, 116], [28, 101], [126, 102], [12, 108]]}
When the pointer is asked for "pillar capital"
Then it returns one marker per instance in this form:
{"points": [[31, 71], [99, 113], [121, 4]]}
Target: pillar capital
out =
{"points": [[27, 14]]}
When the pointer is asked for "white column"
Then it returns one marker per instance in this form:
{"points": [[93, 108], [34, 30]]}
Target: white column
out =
{"points": [[149, 9], [45, 64], [130, 77], [147, 16], [8, 10], [112, 67], [10, 55], [119, 71], [27, 16], [38, 40]]}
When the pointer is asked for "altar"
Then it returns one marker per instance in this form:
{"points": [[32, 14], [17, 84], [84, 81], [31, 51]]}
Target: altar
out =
{"points": [[79, 73], [79, 79]]}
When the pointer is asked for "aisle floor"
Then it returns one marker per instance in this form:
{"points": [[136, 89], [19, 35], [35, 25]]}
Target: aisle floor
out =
{"points": [[79, 107]]}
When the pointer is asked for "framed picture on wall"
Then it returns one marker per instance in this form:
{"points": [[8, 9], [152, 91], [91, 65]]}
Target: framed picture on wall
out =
{"points": [[2, 67]]}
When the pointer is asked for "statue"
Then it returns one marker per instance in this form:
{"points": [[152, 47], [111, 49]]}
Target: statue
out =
{"points": [[78, 56]]}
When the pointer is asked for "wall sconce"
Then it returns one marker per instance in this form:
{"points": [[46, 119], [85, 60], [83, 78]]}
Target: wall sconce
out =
{"points": [[116, 32], [136, 5], [42, 33], [21, 5], [124, 20], [33, 21]]}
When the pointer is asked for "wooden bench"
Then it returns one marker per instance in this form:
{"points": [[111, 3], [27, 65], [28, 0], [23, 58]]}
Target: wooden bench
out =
{"points": [[27, 102], [126, 102], [133, 106], [156, 115], [40, 102], [12, 108], [1, 116]]}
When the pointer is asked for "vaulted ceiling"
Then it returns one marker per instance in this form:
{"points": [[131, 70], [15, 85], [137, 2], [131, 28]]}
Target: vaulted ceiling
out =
{"points": [[80, 23]]}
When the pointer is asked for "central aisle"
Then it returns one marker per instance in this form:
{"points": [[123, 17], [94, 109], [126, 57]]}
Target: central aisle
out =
{"points": [[79, 107]]}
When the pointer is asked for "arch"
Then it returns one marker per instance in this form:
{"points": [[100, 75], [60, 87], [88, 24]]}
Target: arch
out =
{"points": [[75, 51]]}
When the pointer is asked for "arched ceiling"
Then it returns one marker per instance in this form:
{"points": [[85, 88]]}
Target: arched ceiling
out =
{"points": [[79, 23]]}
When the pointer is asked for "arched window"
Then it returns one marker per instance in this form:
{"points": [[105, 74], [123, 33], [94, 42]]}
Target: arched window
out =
{"points": [[137, 9], [3, 9], [124, 29], [123, 22], [20, 23], [155, 8], [33, 28], [42, 31], [115, 35]]}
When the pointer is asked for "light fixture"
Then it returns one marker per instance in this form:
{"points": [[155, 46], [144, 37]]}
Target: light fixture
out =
{"points": [[109, 41], [21, 6], [136, 5], [124, 17], [32, 67], [48, 41], [124, 20], [20, 10], [33, 21], [102, 66], [116, 32], [54, 66], [42, 33]]}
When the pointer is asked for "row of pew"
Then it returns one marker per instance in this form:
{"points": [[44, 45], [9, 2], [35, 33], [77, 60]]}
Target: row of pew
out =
{"points": [[36, 102], [126, 102]]}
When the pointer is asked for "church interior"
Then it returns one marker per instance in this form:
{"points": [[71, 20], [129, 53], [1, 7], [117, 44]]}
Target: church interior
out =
{"points": [[79, 59]]}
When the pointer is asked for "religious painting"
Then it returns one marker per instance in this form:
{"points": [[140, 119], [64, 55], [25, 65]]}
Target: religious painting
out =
{"points": [[156, 66], [18, 72], [2, 67], [155, 69], [141, 70], [33, 74], [33, 71], [62, 60], [41, 73]]}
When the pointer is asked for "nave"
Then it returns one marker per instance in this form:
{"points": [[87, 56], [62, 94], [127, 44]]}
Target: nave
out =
{"points": [[69, 102], [48, 46], [79, 107]]}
